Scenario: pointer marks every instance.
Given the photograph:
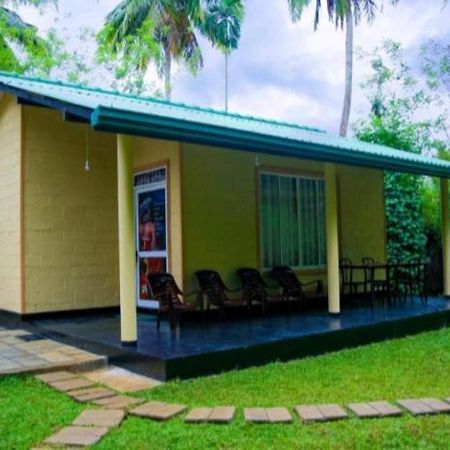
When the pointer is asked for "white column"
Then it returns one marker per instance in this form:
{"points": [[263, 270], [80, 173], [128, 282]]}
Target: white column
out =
{"points": [[127, 251], [445, 236], [331, 204]]}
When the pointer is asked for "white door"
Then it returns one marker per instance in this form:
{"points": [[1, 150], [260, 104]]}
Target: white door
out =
{"points": [[151, 230]]}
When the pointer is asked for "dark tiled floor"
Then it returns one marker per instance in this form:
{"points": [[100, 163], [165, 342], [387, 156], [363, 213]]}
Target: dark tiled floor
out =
{"points": [[195, 338]]}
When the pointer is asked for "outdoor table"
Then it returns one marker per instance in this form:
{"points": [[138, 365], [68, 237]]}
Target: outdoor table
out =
{"points": [[386, 266]]}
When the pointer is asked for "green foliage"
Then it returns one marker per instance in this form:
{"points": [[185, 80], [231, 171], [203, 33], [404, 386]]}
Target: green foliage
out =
{"points": [[409, 114], [20, 41], [402, 192]]}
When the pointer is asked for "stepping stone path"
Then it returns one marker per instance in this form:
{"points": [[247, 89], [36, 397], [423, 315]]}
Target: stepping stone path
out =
{"points": [[219, 414], [158, 410], [91, 425], [267, 415]]}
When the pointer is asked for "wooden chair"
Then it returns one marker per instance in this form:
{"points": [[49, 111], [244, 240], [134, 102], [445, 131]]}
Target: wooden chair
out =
{"points": [[171, 298], [418, 276], [255, 289], [293, 288], [217, 293]]}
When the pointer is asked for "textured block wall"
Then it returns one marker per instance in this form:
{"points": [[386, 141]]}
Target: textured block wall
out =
{"points": [[10, 276], [71, 256]]}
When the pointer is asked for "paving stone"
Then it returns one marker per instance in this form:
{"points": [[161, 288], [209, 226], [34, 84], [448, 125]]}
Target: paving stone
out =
{"points": [[91, 394], [279, 415], [363, 410], [158, 410], [118, 402], [196, 415], [256, 415], [438, 406], [71, 384], [100, 418], [386, 409], [332, 412], [121, 380], [222, 414], [416, 407], [309, 413], [80, 436]]}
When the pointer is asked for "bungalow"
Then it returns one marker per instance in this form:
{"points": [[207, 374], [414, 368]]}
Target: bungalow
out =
{"points": [[99, 188]]}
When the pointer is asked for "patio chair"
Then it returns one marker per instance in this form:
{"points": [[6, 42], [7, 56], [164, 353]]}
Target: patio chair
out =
{"points": [[293, 288], [255, 289], [418, 275], [171, 299], [217, 293], [373, 284], [348, 285]]}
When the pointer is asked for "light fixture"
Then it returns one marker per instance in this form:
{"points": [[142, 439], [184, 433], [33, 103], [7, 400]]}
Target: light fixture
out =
{"points": [[87, 164]]}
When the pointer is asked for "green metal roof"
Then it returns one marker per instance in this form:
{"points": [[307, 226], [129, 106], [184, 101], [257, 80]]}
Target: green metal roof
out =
{"points": [[151, 117]]}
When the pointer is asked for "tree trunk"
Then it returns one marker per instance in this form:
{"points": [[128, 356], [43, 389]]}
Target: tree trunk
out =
{"points": [[348, 73], [226, 81], [167, 74]]}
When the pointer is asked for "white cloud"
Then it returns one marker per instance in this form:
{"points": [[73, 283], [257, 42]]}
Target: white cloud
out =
{"points": [[283, 70]]}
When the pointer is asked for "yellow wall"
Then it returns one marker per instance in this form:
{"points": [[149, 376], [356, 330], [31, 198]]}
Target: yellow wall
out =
{"points": [[149, 153], [10, 186], [70, 215], [220, 211], [361, 214]]}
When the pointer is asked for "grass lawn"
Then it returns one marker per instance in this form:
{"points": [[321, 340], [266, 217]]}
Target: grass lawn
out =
{"points": [[412, 367]]}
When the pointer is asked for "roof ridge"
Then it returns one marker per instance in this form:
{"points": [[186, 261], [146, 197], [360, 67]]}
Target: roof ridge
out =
{"points": [[163, 102]]}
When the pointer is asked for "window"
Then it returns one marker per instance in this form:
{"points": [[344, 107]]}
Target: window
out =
{"points": [[292, 219]]}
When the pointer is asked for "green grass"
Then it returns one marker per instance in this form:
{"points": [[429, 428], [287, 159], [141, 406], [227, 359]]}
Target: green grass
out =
{"points": [[412, 367]]}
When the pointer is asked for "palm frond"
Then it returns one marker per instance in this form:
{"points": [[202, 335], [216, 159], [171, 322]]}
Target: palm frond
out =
{"points": [[296, 8]]}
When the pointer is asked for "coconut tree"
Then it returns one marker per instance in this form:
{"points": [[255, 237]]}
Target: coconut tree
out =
{"points": [[222, 24], [344, 13], [17, 36], [175, 23]]}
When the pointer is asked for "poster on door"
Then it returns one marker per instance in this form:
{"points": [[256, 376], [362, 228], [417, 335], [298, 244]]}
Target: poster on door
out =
{"points": [[146, 267], [152, 220]]}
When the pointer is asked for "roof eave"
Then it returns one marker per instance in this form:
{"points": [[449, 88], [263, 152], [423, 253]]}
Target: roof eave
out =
{"points": [[147, 125]]}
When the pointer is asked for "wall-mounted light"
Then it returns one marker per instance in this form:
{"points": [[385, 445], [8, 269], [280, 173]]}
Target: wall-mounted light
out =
{"points": [[87, 164]]}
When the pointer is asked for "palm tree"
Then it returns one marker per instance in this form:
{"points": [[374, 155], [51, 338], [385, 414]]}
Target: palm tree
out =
{"points": [[174, 24], [223, 25], [344, 13], [17, 35]]}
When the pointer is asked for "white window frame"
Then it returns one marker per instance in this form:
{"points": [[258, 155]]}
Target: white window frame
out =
{"points": [[297, 176]]}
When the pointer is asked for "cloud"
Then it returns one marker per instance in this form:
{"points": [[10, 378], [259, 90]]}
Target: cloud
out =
{"points": [[283, 70]]}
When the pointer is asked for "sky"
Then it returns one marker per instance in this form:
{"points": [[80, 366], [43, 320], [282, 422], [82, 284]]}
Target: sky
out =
{"points": [[281, 70]]}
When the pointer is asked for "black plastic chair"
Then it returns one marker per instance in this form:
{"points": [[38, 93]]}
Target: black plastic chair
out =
{"points": [[171, 298]]}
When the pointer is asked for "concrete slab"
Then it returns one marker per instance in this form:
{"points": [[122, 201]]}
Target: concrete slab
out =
{"points": [[309, 413], [222, 414], [416, 407], [386, 409], [332, 412], [91, 394], [256, 415], [71, 384], [158, 410], [60, 375], [119, 402], [100, 418], [121, 380], [364, 410], [197, 415], [77, 436], [438, 406], [278, 415]]}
